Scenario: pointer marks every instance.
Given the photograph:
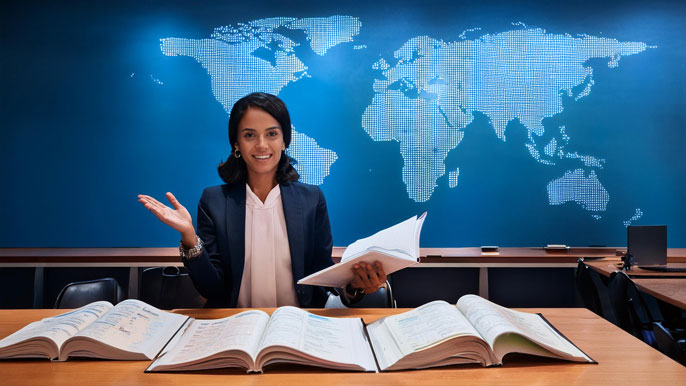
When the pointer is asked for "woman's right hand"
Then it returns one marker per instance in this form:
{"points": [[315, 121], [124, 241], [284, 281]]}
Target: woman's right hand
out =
{"points": [[177, 218]]}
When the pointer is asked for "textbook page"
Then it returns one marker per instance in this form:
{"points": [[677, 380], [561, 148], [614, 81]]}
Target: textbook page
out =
{"points": [[332, 340], [57, 328], [417, 232], [395, 248], [132, 326], [339, 275], [492, 321], [398, 336], [206, 338], [399, 240]]}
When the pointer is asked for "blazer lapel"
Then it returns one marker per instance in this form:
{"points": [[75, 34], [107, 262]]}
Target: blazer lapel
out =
{"points": [[293, 212], [235, 232]]}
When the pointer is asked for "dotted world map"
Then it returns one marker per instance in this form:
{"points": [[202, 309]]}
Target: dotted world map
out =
{"points": [[427, 93]]}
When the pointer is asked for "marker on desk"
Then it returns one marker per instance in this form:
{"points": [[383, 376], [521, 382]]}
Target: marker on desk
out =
{"points": [[556, 247]]}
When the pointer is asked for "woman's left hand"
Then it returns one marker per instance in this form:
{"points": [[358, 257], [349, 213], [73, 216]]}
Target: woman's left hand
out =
{"points": [[369, 277]]}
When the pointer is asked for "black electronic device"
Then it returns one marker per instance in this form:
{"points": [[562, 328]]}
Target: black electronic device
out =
{"points": [[647, 248]]}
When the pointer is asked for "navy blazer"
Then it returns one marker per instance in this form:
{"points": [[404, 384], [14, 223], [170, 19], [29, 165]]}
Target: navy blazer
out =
{"points": [[218, 271]]}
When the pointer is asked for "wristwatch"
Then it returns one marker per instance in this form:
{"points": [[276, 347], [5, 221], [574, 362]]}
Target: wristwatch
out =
{"points": [[190, 254], [354, 294]]}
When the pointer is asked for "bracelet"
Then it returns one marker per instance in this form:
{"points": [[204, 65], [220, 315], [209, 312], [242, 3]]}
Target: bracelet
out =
{"points": [[190, 254]]}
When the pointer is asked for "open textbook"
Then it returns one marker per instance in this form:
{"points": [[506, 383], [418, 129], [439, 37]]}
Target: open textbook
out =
{"points": [[435, 334], [252, 339], [473, 331], [396, 247], [131, 330]]}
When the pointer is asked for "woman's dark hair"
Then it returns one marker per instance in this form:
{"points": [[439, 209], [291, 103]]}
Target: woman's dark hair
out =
{"points": [[233, 170]]}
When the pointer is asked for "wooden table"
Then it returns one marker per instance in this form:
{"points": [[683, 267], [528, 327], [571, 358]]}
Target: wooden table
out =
{"points": [[670, 287], [670, 290], [623, 360], [606, 266], [137, 258]]}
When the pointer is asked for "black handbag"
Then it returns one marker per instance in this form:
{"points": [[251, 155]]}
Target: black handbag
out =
{"points": [[168, 288]]}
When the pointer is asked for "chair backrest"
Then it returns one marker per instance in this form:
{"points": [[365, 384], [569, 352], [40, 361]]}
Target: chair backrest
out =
{"points": [[594, 292], [586, 288], [633, 315], [668, 345], [80, 293], [169, 287], [382, 298]]}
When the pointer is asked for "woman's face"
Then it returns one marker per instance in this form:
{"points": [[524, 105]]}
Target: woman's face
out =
{"points": [[260, 142]]}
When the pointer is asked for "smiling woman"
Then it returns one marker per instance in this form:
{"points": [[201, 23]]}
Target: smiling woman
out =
{"points": [[263, 230], [260, 142], [253, 118]]}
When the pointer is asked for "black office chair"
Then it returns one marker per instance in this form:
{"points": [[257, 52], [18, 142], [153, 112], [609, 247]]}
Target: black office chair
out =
{"points": [[633, 314], [593, 291], [80, 293], [169, 287], [670, 342], [382, 298]]}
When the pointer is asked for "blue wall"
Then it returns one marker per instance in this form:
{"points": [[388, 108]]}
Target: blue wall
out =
{"points": [[95, 109]]}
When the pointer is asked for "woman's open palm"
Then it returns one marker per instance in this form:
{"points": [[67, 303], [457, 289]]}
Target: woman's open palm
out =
{"points": [[177, 218]]}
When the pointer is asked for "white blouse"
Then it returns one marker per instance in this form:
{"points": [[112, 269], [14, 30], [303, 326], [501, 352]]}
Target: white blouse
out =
{"points": [[267, 274]]}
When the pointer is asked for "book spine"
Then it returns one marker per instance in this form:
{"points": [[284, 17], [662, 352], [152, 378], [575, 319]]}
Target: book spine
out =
{"points": [[565, 338], [369, 342]]}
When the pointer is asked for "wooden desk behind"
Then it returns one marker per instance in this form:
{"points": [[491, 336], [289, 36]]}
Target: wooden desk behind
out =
{"points": [[606, 266], [669, 290], [507, 269], [670, 287], [623, 360]]}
